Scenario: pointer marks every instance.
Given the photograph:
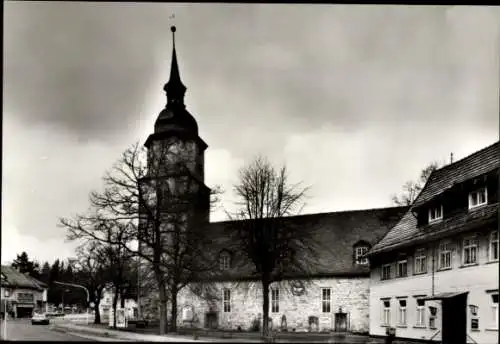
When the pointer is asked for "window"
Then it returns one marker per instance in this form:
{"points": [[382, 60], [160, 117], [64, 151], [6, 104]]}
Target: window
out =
{"points": [[435, 213], [432, 317], [478, 198], [445, 255], [494, 309], [402, 313], [226, 299], [386, 272], [402, 268], [493, 246], [359, 253], [474, 319], [420, 313], [470, 251], [275, 300], [386, 317], [420, 261], [326, 298], [224, 261]]}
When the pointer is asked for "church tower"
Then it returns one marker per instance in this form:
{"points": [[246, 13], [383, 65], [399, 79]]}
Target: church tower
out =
{"points": [[175, 150]]}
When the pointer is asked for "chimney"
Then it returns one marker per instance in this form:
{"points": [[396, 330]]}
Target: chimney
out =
{"points": [[451, 158]]}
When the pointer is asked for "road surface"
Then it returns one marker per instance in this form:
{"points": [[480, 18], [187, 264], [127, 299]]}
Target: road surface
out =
{"points": [[21, 329]]}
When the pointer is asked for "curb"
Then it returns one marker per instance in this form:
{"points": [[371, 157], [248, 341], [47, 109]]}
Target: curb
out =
{"points": [[63, 329]]}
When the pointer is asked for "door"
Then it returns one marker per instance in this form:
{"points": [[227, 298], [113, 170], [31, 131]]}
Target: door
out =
{"points": [[211, 320], [341, 322]]}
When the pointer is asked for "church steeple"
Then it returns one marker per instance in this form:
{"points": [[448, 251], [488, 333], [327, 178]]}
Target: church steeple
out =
{"points": [[174, 88]]}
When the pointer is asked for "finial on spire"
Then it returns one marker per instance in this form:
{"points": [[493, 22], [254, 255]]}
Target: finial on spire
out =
{"points": [[173, 29]]}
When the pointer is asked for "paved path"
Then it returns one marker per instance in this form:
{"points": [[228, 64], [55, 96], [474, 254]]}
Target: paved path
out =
{"points": [[21, 329]]}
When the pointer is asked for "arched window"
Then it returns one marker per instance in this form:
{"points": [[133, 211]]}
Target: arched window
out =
{"points": [[225, 260], [360, 250]]}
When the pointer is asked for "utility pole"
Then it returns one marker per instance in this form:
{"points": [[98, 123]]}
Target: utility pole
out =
{"points": [[78, 286]]}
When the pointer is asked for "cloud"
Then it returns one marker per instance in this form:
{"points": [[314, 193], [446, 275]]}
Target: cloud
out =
{"points": [[354, 99]]}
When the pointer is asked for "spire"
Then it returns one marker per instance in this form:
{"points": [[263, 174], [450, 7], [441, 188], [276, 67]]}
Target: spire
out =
{"points": [[174, 88]]}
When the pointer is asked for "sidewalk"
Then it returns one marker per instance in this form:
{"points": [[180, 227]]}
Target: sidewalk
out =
{"points": [[131, 336]]}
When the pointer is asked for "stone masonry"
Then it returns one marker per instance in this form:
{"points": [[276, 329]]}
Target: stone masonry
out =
{"points": [[348, 295]]}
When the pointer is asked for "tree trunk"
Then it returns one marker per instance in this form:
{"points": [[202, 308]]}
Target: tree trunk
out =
{"points": [[115, 303], [265, 308], [163, 307], [173, 311], [122, 298], [97, 301], [97, 318]]}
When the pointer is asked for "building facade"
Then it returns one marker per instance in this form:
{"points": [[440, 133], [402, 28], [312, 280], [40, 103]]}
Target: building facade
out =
{"points": [[445, 246], [21, 294]]}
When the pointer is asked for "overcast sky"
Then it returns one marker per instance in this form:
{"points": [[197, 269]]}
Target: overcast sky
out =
{"points": [[354, 99]]}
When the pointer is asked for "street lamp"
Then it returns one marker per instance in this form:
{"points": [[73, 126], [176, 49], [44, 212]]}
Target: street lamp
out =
{"points": [[6, 294], [78, 286]]}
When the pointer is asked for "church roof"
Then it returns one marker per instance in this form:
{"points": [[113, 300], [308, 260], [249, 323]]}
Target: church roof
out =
{"points": [[336, 234]]}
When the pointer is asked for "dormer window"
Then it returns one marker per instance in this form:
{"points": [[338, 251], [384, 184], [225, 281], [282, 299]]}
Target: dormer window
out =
{"points": [[225, 261], [435, 213], [360, 255], [360, 250], [478, 198]]}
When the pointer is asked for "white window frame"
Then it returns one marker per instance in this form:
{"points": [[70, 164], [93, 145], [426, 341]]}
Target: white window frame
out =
{"points": [[494, 309], [401, 262], [420, 313], [402, 312], [359, 252], [445, 250], [470, 247], [275, 300], [224, 261], [436, 214], [382, 272], [386, 313], [420, 261], [326, 300], [493, 248], [475, 195], [226, 300]]}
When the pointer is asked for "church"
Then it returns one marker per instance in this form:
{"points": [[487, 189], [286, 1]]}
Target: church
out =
{"points": [[333, 297]]}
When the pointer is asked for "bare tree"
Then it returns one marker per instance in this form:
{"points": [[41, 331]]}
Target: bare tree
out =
{"points": [[277, 249], [92, 272], [411, 189], [160, 203]]}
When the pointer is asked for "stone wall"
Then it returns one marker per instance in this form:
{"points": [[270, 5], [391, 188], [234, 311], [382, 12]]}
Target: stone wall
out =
{"points": [[348, 295]]}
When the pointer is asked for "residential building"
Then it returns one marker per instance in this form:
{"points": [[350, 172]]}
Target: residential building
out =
{"points": [[106, 304], [444, 247], [333, 296], [22, 293]]}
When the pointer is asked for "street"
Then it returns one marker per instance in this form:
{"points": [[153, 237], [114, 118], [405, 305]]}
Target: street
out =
{"points": [[21, 329]]}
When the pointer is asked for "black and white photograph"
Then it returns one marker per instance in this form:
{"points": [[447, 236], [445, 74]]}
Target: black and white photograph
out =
{"points": [[250, 172]]}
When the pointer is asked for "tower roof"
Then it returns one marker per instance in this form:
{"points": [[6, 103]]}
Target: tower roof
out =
{"points": [[175, 117]]}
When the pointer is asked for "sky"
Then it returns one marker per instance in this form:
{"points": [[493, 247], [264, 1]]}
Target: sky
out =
{"points": [[354, 99]]}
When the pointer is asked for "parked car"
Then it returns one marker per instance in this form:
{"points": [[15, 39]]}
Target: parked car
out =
{"points": [[40, 319]]}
